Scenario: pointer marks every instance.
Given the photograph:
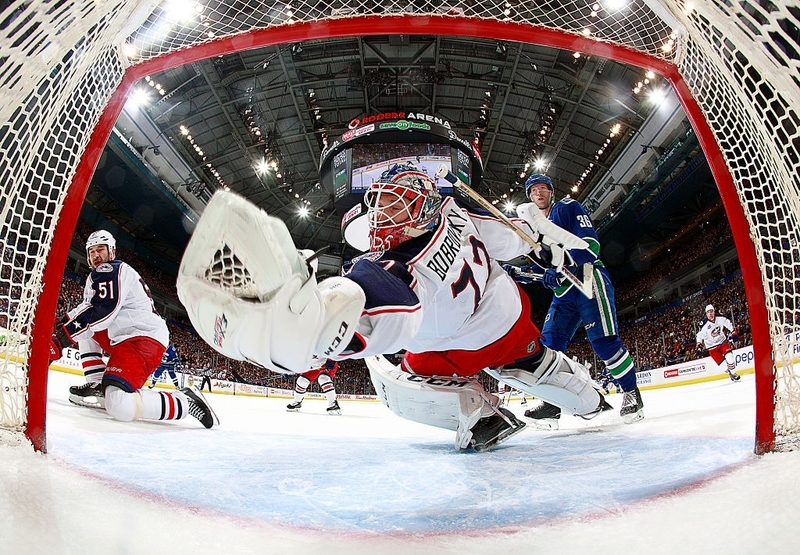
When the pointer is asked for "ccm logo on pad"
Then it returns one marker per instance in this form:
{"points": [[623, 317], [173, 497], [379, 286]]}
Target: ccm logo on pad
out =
{"points": [[343, 327]]}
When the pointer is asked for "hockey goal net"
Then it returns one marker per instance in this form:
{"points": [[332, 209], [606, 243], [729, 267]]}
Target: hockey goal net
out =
{"points": [[66, 67]]}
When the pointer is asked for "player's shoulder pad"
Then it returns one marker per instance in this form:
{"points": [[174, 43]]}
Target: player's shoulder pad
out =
{"points": [[571, 205], [370, 256], [383, 282]]}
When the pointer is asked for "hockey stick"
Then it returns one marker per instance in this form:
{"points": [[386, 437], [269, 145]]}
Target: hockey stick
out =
{"points": [[585, 288]]}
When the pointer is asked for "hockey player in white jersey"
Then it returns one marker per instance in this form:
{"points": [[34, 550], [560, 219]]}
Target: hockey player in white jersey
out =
{"points": [[714, 337], [117, 315], [323, 375], [430, 286]]}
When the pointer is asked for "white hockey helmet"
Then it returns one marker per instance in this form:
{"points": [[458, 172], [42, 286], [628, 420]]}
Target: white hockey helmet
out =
{"points": [[709, 307], [102, 237], [410, 196]]}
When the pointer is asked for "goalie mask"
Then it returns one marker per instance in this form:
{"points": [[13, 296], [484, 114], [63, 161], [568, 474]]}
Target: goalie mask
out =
{"points": [[401, 205], [101, 237]]}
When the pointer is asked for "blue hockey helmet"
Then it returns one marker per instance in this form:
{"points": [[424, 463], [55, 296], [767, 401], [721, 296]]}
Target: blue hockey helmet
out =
{"points": [[535, 179]]}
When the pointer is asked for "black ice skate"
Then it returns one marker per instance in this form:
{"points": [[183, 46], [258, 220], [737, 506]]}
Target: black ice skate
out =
{"points": [[199, 407], [89, 395], [632, 406], [334, 408], [734, 376], [494, 430], [294, 407], [544, 417]]}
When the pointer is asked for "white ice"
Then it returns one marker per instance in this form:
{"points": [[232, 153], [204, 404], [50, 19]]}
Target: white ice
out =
{"points": [[683, 481]]}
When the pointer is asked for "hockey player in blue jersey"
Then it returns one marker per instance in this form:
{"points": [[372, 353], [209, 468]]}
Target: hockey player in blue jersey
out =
{"points": [[170, 363], [570, 308], [607, 382]]}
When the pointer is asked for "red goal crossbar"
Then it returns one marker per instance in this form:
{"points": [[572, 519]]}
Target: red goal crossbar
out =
{"points": [[411, 24]]}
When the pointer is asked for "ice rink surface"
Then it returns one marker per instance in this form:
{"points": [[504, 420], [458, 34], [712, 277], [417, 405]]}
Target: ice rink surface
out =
{"points": [[684, 480]]}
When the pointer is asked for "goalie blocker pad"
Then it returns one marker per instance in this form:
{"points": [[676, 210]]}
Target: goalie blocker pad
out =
{"points": [[551, 233], [452, 403], [556, 379], [253, 297]]}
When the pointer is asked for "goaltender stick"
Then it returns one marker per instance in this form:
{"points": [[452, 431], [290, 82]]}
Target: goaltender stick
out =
{"points": [[430, 285]]}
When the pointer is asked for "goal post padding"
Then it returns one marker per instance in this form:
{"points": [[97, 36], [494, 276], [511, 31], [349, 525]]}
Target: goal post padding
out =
{"points": [[481, 26]]}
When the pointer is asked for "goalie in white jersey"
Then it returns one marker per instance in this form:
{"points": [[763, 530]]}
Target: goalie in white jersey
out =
{"points": [[430, 286], [117, 316], [714, 337]]}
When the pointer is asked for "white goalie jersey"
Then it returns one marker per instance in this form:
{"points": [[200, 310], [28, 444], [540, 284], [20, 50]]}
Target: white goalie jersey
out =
{"points": [[431, 293]]}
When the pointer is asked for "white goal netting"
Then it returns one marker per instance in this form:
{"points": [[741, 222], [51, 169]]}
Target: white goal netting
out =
{"points": [[62, 61]]}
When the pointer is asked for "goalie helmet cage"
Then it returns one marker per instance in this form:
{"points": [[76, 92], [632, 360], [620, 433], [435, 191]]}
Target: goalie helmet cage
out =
{"points": [[66, 67]]}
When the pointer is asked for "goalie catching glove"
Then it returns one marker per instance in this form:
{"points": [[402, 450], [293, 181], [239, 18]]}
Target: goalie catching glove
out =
{"points": [[253, 297]]}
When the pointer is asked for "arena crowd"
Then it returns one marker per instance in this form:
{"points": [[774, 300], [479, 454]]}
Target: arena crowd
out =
{"points": [[662, 336]]}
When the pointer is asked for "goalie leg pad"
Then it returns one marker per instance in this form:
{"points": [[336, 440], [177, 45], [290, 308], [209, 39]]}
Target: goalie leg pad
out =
{"points": [[452, 403], [555, 379]]}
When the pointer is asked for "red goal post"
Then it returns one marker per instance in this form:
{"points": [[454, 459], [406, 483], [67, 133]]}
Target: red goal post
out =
{"points": [[67, 66]]}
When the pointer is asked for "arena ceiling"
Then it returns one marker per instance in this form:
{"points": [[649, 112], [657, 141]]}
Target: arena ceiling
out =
{"points": [[226, 115]]}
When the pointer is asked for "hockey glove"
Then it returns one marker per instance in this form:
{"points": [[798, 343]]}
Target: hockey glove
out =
{"points": [[58, 341], [550, 279], [519, 274], [551, 256]]}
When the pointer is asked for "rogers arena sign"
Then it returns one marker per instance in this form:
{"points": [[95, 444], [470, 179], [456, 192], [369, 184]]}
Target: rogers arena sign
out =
{"points": [[355, 122]]}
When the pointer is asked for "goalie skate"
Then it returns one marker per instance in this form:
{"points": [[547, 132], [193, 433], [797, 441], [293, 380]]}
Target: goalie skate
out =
{"points": [[89, 395], [493, 430], [546, 415]]}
